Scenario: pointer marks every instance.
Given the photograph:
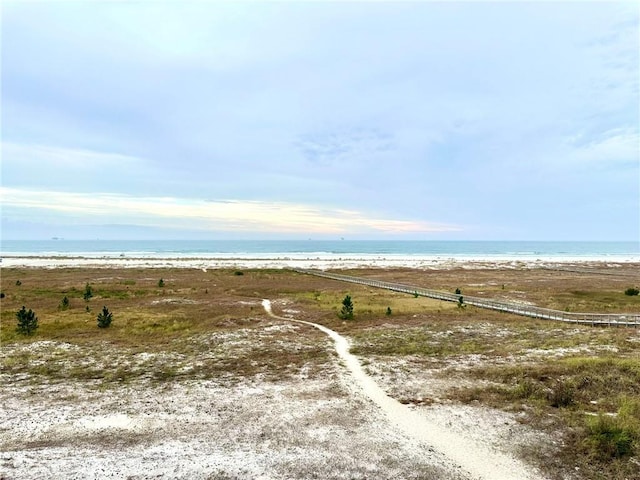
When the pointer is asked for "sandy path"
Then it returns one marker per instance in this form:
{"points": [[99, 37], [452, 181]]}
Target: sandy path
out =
{"points": [[477, 459]]}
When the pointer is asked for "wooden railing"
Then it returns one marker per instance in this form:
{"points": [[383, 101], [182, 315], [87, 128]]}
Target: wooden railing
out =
{"points": [[594, 319]]}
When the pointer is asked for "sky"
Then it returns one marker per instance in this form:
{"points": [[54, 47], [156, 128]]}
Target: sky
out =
{"points": [[358, 120]]}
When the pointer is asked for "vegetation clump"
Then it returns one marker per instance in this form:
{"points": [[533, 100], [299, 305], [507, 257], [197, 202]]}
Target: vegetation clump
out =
{"points": [[104, 318], [561, 395], [388, 313], [64, 304], [458, 291], [608, 437], [88, 292], [346, 313], [631, 291], [27, 321], [161, 283]]}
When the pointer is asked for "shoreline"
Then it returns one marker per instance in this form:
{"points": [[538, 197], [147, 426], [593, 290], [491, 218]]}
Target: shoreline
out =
{"points": [[324, 262]]}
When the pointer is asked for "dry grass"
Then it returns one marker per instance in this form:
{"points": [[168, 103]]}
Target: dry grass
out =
{"points": [[194, 323]]}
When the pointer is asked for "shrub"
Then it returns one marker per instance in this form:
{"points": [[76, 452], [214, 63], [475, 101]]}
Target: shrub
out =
{"points": [[1, 294], [388, 311], [88, 292], [607, 438], [104, 318], [631, 291], [64, 304], [347, 308], [561, 395], [18, 283], [161, 283], [461, 302], [525, 388], [238, 273], [458, 291], [27, 321]]}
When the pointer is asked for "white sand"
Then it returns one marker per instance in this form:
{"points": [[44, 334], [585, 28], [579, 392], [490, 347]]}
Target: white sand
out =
{"points": [[323, 262], [473, 457]]}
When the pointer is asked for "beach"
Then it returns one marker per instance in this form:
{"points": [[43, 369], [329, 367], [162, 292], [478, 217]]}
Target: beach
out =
{"points": [[325, 262]]}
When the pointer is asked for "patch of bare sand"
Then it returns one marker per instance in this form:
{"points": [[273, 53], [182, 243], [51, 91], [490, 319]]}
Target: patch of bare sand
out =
{"points": [[300, 427]]}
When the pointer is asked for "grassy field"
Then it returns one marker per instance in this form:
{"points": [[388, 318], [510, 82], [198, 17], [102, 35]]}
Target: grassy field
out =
{"points": [[579, 385]]}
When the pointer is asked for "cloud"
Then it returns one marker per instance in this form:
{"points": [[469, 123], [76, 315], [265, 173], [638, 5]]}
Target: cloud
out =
{"points": [[329, 147], [617, 146], [233, 215], [65, 158], [48, 167]]}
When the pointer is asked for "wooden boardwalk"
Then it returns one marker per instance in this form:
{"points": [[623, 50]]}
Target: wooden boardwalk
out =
{"points": [[593, 319]]}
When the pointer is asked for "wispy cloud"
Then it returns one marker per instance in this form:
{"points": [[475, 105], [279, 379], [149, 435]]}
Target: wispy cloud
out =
{"points": [[65, 158], [329, 147], [234, 215]]}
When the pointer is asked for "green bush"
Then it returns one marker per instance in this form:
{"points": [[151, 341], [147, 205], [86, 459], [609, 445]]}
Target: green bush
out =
{"points": [[88, 292], [238, 273], [27, 321], [161, 283], [104, 318], [18, 283], [388, 311], [631, 291], [458, 291], [608, 438], [346, 313], [64, 304]]}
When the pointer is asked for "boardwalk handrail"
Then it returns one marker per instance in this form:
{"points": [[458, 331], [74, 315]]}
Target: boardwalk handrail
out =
{"points": [[593, 319]]}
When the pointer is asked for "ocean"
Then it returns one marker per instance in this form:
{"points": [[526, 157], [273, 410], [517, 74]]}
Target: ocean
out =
{"points": [[518, 250]]}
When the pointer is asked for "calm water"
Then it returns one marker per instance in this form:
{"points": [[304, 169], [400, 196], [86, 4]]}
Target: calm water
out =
{"points": [[276, 248]]}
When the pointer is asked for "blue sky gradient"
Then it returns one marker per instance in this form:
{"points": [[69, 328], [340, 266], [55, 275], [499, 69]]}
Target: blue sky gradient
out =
{"points": [[514, 121]]}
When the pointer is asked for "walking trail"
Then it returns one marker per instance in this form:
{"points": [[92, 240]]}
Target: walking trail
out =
{"points": [[478, 460]]}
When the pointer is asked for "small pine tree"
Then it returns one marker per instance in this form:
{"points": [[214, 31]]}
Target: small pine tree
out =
{"points": [[104, 318], [88, 292], [388, 311], [161, 283], [347, 308], [64, 304], [27, 321]]}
